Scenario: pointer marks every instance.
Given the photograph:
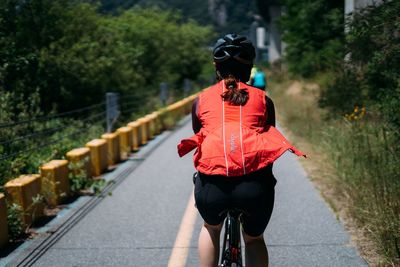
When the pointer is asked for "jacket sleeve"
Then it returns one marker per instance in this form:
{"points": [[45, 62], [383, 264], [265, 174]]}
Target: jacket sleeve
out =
{"points": [[188, 144]]}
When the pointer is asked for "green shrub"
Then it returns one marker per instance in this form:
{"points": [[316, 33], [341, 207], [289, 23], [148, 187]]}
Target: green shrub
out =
{"points": [[313, 32], [14, 220], [78, 177], [371, 72], [63, 49], [341, 95], [80, 182], [360, 164]]}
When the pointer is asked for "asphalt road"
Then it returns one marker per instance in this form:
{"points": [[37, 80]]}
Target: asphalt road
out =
{"points": [[137, 225]]}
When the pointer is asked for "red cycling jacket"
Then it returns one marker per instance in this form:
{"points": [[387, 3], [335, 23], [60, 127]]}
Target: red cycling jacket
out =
{"points": [[234, 140]]}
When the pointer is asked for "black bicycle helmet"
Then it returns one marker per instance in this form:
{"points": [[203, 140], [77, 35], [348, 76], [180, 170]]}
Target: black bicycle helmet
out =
{"points": [[233, 46], [233, 55]]}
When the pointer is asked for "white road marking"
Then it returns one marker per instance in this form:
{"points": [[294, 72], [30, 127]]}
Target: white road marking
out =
{"points": [[180, 250]]}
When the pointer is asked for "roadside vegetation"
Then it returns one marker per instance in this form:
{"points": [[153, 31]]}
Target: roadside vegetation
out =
{"points": [[63, 55], [58, 59], [341, 101]]}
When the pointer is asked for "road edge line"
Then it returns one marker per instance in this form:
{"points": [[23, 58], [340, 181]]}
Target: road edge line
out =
{"points": [[181, 247]]}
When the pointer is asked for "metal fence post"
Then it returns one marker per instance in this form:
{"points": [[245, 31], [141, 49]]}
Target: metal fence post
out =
{"points": [[112, 111], [163, 93], [253, 37], [187, 87]]}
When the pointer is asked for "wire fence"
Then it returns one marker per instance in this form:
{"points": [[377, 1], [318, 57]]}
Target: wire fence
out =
{"points": [[39, 140], [24, 143], [37, 134], [50, 117]]}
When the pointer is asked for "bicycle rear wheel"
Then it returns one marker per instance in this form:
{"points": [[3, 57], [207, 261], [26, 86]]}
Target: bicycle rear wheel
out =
{"points": [[231, 252]]}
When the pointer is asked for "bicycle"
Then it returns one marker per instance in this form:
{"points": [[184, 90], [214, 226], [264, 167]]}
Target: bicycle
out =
{"points": [[231, 253]]}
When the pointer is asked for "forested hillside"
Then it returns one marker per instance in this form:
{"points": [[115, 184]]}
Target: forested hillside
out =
{"points": [[62, 48], [57, 56], [225, 16]]}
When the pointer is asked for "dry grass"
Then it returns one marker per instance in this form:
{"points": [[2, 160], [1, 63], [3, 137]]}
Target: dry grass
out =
{"points": [[296, 106]]}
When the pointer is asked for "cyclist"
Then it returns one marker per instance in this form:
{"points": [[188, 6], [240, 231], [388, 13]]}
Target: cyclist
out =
{"points": [[259, 80], [236, 145]]}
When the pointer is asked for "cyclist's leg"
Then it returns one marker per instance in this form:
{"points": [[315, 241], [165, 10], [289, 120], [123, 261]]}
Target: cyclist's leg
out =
{"points": [[209, 245], [211, 201], [256, 253], [255, 196]]}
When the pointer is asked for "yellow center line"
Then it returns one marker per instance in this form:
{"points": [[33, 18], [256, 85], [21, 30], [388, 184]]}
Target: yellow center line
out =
{"points": [[182, 242]]}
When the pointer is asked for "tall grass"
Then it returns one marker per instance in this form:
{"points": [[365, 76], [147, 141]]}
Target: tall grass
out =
{"points": [[363, 154], [368, 175]]}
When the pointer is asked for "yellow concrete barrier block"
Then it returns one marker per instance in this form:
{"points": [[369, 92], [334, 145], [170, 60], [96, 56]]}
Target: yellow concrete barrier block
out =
{"points": [[136, 135], [180, 108], [193, 97], [113, 151], [173, 112], [184, 103], [157, 122], [151, 124], [79, 161], [98, 155], [170, 108], [23, 191], [169, 117], [145, 131], [163, 119], [125, 141], [55, 181], [173, 107], [3, 222], [187, 105]]}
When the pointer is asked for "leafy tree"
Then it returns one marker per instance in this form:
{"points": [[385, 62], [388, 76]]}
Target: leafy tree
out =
{"points": [[368, 80], [240, 16], [64, 49], [314, 34], [239, 13], [370, 76], [58, 55], [263, 7]]}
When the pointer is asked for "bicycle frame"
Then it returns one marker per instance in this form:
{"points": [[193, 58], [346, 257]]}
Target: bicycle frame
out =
{"points": [[231, 254]]}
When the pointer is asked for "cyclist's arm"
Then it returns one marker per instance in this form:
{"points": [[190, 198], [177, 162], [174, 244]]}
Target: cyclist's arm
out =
{"points": [[270, 121], [270, 112], [196, 124]]}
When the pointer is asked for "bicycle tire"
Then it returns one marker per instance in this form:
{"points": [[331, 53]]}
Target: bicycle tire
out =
{"points": [[231, 254], [236, 253]]}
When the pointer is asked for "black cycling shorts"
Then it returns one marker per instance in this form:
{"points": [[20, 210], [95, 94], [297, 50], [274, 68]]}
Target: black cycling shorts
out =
{"points": [[253, 193]]}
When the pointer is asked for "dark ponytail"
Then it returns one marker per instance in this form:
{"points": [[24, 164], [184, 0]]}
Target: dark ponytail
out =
{"points": [[234, 95]]}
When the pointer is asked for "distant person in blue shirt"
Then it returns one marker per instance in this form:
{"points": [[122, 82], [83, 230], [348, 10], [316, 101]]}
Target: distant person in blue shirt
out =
{"points": [[259, 80]]}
